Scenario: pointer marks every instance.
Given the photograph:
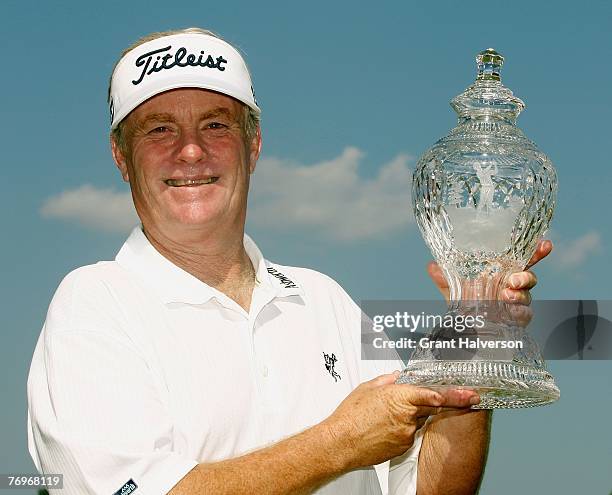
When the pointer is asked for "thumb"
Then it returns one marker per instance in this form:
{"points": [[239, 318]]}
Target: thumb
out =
{"points": [[421, 396], [387, 379]]}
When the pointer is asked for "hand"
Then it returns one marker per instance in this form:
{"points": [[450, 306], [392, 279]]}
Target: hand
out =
{"points": [[378, 420], [519, 283]]}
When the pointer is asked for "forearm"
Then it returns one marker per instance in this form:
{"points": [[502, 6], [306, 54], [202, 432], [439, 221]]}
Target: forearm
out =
{"points": [[453, 453], [298, 464]]}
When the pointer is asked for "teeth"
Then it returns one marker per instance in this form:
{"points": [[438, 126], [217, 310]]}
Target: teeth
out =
{"points": [[190, 182]]}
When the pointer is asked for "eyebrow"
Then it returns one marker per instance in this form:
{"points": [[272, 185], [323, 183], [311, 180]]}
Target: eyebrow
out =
{"points": [[156, 117], [166, 117], [216, 112]]}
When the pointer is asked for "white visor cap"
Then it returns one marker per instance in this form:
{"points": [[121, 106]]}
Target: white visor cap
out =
{"points": [[187, 60]]}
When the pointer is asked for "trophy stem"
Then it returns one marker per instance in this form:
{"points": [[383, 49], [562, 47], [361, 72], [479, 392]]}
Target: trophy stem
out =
{"points": [[483, 288]]}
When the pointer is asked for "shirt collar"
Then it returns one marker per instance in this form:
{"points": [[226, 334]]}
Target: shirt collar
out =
{"points": [[173, 284]]}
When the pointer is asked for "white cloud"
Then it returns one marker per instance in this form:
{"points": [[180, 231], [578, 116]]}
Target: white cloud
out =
{"points": [[573, 253], [99, 209], [330, 198]]}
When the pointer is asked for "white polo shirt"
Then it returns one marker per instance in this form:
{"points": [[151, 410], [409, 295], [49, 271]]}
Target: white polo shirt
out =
{"points": [[143, 371]]}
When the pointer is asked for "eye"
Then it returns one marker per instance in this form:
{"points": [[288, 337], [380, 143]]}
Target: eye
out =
{"points": [[159, 130], [216, 125]]}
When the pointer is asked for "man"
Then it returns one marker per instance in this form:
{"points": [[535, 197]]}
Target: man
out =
{"points": [[191, 364]]}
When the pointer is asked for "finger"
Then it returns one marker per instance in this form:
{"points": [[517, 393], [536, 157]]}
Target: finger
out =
{"points": [[522, 280], [437, 275], [543, 249], [428, 399], [458, 397], [420, 396], [517, 296], [429, 402]]}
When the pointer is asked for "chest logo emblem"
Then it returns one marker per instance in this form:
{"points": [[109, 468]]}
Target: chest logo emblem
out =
{"points": [[330, 362]]}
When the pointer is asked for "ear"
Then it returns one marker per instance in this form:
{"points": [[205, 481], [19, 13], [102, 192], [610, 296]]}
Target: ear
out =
{"points": [[254, 150], [120, 159]]}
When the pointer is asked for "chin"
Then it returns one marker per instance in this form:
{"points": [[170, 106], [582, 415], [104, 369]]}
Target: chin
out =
{"points": [[193, 221], [192, 212], [195, 218]]}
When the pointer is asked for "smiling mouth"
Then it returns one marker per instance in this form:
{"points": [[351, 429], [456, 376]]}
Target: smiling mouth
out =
{"points": [[190, 182]]}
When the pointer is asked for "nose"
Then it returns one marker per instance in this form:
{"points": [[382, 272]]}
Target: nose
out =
{"points": [[190, 148]]}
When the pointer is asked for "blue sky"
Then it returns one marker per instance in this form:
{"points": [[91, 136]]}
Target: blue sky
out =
{"points": [[351, 96]]}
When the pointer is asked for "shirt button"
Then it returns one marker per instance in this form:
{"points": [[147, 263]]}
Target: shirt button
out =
{"points": [[264, 371]]}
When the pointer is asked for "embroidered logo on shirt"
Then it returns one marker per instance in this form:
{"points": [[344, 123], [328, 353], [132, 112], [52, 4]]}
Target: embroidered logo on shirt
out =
{"points": [[289, 284], [126, 489], [330, 362]]}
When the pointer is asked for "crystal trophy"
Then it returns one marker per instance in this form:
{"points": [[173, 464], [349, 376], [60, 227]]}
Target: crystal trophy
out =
{"points": [[483, 197]]}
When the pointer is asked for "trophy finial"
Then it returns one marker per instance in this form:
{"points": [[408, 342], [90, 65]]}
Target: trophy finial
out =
{"points": [[489, 64], [487, 96]]}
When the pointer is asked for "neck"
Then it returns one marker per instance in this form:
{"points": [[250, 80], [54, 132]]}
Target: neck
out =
{"points": [[218, 261]]}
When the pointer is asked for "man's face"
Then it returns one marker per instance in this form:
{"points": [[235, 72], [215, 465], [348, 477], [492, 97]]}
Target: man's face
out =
{"points": [[188, 161]]}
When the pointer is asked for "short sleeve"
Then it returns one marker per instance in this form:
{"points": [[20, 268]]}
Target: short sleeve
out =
{"points": [[95, 413], [403, 470]]}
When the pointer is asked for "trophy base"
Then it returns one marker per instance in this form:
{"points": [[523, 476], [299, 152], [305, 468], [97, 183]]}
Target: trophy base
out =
{"points": [[500, 384]]}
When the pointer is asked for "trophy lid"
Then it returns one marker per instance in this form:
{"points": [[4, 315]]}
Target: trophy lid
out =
{"points": [[488, 98]]}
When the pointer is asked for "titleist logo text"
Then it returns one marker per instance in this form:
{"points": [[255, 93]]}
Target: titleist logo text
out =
{"points": [[179, 59]]}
